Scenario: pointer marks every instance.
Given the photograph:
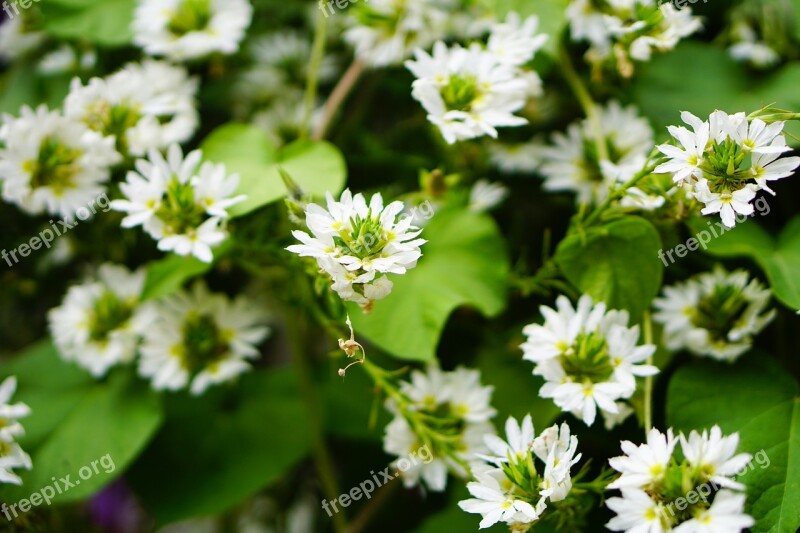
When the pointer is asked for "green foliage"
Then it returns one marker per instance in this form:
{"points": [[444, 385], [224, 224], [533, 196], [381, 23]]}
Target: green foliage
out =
{"points": [[318, 167], [779, 257], [464, 263], [761, 401], [616, 262], [104, 23], [167, 275], [76, 421], [222, 447]]}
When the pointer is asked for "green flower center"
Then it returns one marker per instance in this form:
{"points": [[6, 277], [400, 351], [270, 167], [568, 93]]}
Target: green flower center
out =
{"points": [[204, 344], [191, 15], [587, 360], [5, 448], [461, 92], [367, 237], [179, 211], [114, 120], [109, 313], [726, 167], [55, 166], [720, 311]]}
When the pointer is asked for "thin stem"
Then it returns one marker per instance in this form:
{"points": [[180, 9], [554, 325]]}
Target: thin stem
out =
{"points": [[619, 192], [585, 99], [337, 97], [362, 519], [296, 329], [312, 82], [648, 380]]}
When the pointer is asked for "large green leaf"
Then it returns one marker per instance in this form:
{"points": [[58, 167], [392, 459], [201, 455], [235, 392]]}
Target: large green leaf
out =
{"points": [[107, 23], [318, 167], [760, 400], [464, 262], [75, 422], [616, 262], [167, 275], [220, 448], [717, 82], [778, 257]]}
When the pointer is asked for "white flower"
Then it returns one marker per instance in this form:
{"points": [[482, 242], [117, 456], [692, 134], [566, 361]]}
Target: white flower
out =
{"points": [[712, 454], [190, 29], [727, 204], [514, 42], [356, 244], [520, 158], [67, 59], [385, 32], [519, 441], [644, 465], [495, 504], [485, 195], [96, 325], [199, 339], [571, 161], [636, 513], [17, 38], [714, 314], [11, 455], [588, 356], [459, 401], [52, 164], [143, 106], [747, 47], [466, 92], [726, 515], [180, 205]]}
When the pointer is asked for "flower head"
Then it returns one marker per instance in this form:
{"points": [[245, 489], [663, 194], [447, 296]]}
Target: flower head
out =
{"points": [[714, 314], [588, 356], [357, 244], [199, 339], [11, 455]]}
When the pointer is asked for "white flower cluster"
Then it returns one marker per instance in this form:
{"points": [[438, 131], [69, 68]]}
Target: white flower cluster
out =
{"points": [[461, 409], [53, 164], [196, 336], [588, 357], [179, 202], [714, 314], [749, 47], [385, 32], [572, 161], [358, 244], [725, 160], [199, 339], [652, 481], [470, 92], [183, 30], [511, 489], [11, 455], [144, 106], [98, 323], [623, 31]]}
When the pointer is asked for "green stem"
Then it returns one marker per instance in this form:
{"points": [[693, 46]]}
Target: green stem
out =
{"points": [[312, 82], [297, 332], [618, 193], [648, 380], [586, 101]]}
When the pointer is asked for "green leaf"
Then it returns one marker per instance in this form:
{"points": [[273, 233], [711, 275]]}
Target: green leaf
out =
{"points": [[217, 449], [464, 262], [779, 258], [760, 400], [167, 275], [21, 86], [76, 422], [617, 263], [318, 167], [106, 23], [717, 82]]}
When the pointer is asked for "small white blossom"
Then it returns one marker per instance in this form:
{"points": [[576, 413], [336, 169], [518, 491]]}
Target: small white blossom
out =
{"points": [[11, 455], [97, 324], [17, 38], [51, 163], [199, 339], [485, 195], [726, 515], [644, 465], [189, 29], [357, 244], [713, 454], [714, 314], [179, 202], [588, 356]]}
